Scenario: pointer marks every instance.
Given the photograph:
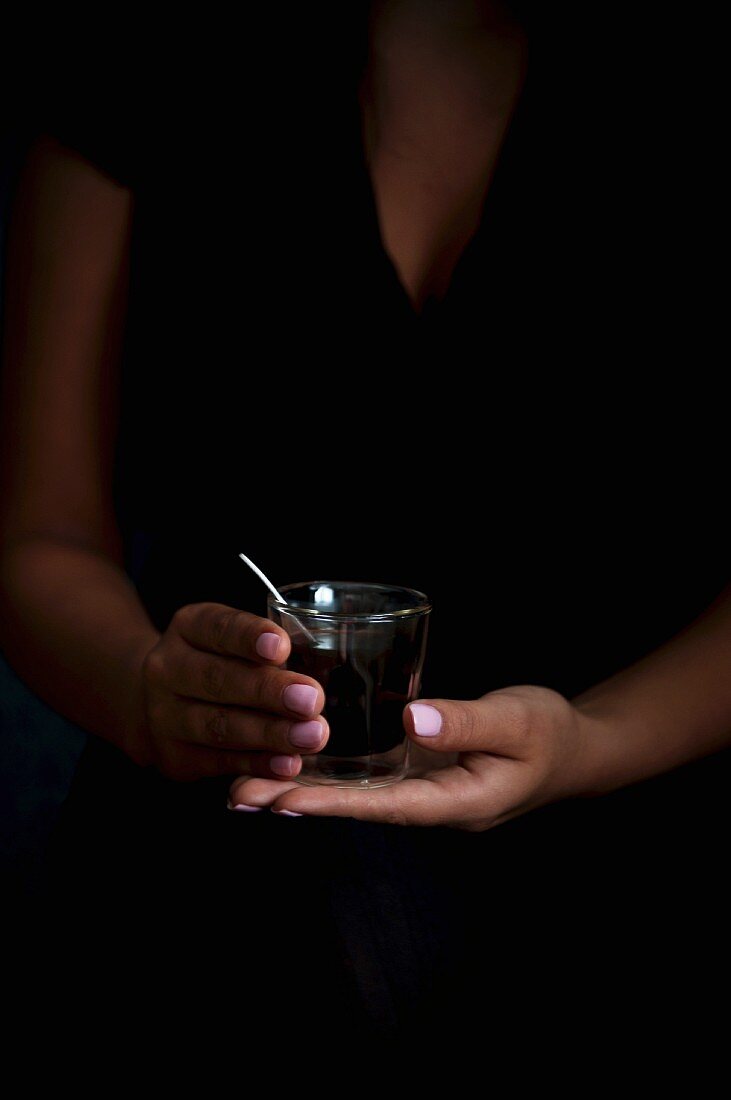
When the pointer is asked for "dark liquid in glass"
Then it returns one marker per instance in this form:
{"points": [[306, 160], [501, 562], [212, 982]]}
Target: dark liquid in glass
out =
{"points": [[365, 694]]}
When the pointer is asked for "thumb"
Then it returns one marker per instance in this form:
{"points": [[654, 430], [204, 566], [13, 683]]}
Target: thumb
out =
{"points": [[498, 722]]}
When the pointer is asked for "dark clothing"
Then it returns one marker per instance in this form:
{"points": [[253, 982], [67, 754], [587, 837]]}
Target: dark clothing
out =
{"points": [[520, 452]]}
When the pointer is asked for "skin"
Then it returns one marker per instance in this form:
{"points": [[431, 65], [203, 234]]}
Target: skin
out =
{"points": [[197, 700], [441, 87], [200, 699], [208, 692], [523, 747]]}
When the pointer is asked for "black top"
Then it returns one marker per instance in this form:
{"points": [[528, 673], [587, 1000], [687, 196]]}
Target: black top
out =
{"points": [[522, 452]]}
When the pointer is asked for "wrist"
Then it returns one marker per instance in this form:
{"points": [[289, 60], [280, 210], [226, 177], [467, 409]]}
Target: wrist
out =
{"points": [[135, 740], [600, 759]]}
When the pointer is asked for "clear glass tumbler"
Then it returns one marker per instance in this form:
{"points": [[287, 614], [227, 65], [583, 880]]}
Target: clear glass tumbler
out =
{"points": [[365, 643]]}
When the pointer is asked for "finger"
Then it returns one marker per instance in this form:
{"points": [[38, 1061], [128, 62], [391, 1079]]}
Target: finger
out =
{"points": [[257, 793], [497, 723], [202, 763], [212, 678], [228, 727], [438, 799], [216, 628]]}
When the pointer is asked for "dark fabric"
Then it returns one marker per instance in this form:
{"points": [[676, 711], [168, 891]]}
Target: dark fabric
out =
{"points": [[521, 452], [39, 751]]}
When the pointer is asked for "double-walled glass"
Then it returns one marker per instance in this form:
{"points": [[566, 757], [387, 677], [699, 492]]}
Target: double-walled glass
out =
{"points": [[365, 643]]}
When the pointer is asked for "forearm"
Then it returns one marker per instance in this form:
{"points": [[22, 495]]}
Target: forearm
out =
{"points": [[74, 628], [669, 708]]}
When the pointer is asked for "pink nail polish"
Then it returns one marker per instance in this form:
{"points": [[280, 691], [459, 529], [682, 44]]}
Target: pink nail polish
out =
{"points": [[284, 765], [300, 698], [243, 807], [427, 720], [287, 813], [306, 735], [267, 645]]}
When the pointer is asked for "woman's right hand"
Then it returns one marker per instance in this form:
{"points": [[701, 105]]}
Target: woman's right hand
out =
{"points": [[214, 700]]}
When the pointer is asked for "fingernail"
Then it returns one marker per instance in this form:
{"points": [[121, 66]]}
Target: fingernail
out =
{"points": [[427, 720], [300, 698], [267, 645], [306, 735], [284, 765], [287, 813], [243, 807]]}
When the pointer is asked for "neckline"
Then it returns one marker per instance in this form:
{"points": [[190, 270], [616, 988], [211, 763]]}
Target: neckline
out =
{"points": [[508, 157]]}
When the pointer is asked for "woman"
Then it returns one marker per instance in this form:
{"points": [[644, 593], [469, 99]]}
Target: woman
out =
{"points": [[367, 327]]}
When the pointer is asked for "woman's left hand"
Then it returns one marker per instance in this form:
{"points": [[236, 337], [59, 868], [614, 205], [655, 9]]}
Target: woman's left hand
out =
{"points": [[477, 764]]}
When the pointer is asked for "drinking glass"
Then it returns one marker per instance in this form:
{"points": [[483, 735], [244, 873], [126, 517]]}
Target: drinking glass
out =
{"points": [[365, 643]]}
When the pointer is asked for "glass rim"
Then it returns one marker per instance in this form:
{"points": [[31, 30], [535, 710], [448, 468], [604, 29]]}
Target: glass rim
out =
{"points": [[350, 616]]}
